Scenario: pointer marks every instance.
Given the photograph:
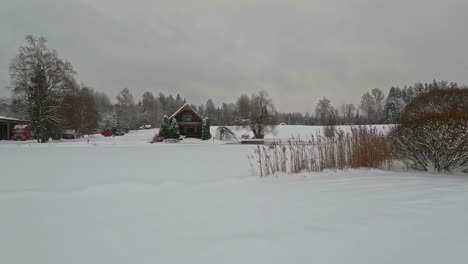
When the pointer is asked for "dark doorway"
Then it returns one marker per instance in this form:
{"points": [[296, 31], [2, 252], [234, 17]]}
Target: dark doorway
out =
{"points": [[190, 131]]}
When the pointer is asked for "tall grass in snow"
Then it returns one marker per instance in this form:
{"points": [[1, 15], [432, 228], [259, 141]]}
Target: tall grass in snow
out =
{"points": [[339, 150]]}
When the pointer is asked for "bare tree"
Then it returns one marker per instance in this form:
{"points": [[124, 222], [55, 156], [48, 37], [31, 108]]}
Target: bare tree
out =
{"points": [[90, 115], [261, 115], [152, 109], [38, 77], [5, 106], [79, 109], [372, 104], [70, 107], [325, 113], [348, 113]]}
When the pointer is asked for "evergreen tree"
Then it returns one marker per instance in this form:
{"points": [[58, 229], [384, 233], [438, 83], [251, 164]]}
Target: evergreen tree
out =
{"points": [[174, 129], [211, 111], [393, 110], [201, 110], [171, 105], [178, 101], [164, 128], [394, 105], [206, 134]]}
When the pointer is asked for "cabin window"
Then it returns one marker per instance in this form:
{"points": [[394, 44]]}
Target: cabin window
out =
{"points": [[187, 118]]}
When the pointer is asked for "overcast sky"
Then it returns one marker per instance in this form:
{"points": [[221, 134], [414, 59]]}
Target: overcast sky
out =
{"points": [[299, 51]]}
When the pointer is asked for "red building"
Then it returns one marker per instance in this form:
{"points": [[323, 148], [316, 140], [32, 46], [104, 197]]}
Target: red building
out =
{"points": [[190, 122]]}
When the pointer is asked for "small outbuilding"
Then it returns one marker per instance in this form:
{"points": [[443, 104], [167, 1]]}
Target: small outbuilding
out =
{"points": [[189, 121]]}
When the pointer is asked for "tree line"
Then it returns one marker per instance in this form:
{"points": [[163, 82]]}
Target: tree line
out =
{"points": [[374, 108], [45, 91]]}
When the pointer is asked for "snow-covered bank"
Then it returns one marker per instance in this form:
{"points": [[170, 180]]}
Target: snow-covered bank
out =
{"points": [[121, 200]]}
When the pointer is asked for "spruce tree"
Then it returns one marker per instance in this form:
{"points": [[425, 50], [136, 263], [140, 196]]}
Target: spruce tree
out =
{"points": [[164, 129], [174, 129], [392, 112], [206, 134]]}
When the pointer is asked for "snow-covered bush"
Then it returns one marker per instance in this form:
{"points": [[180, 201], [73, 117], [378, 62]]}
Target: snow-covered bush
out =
{"points": [[433, 134], [433, 144], [169, 128], [157, 138]]}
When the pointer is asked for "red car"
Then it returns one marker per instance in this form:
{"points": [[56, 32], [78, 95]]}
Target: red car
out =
{"points": [[107, 133]]}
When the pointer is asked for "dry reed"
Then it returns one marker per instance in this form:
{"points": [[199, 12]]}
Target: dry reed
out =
{"points": [[362, 146]]}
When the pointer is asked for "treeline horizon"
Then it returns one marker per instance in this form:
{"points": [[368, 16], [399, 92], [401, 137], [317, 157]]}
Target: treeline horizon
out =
{"points": [[375, 106]]}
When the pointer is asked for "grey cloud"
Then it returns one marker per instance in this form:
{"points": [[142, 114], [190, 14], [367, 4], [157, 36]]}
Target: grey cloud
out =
{"points": [[297, 50]]}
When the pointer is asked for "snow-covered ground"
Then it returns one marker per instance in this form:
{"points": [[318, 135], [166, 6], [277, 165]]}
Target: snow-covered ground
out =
{"points": [[122, 200]]}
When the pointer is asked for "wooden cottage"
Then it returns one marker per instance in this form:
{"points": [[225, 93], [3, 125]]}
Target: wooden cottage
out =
{"points": [[190, 122]]}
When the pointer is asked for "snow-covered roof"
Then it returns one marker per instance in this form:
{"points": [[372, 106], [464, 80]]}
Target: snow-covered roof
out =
{"points": [[185, 107], [6, 118], [20, 126]]}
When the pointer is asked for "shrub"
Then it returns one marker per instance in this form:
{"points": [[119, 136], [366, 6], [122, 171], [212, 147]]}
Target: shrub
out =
{"points": [[436, 143], [157, 138], [433, 134], [169, 128]]}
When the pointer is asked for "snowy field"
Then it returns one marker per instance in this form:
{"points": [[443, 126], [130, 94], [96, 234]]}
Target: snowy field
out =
{"points": [[122, 200]]}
